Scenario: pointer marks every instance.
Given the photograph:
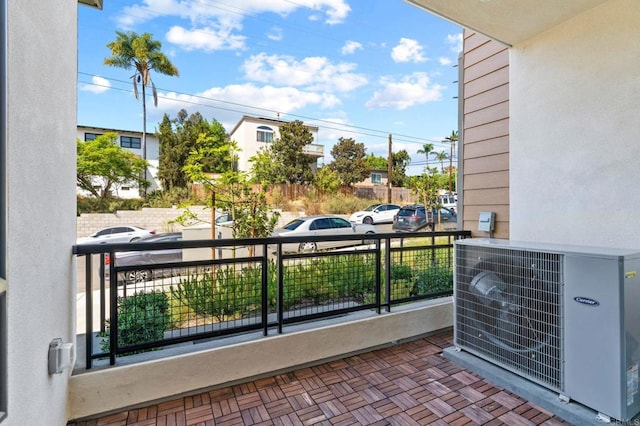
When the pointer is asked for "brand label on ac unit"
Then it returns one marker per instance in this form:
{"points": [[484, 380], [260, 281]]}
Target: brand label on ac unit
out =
{"points": [[586, 301]]}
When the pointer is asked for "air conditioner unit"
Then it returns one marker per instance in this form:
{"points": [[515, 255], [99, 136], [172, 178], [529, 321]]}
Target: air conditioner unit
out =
{"points": [[564, 317]]}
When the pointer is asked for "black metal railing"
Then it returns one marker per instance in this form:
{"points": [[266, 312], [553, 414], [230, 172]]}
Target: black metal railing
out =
{"points": [[227, 287]]}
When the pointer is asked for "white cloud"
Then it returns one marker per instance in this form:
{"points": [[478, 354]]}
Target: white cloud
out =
{"points": [[455, 40], [445, 61], [275, 34], [350, 47], [227, 13], [241, 98], [205, 39], [411, 90], [98, 85], [408, 50], [313, 73]]}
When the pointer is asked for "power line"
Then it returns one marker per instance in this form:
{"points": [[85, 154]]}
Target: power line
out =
{"points": [[328, 124]]}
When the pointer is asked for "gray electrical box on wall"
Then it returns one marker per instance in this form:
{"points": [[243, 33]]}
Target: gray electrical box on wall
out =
{"points": [[486, 221]]}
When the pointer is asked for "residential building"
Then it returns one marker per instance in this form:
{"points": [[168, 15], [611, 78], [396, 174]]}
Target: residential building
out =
{"points": [[254, 133], [251, 134], [132, 141], [376, 178]]}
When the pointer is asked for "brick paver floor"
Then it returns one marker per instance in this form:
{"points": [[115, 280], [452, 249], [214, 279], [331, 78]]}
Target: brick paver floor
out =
{"points": [[406, 384]]}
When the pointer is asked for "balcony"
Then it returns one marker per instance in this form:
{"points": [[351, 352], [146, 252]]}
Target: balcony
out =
{"points": [[404, 384], [247, 308], [313, 150]]}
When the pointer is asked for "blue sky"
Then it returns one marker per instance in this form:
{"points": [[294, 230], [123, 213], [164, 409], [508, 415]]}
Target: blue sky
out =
{"points": [[354, 68]]}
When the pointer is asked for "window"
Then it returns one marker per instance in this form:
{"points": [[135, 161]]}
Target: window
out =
{"points": [[130, 142], [319, 224], [265, 134], [376, 178], [339, 222], [91, 136]]}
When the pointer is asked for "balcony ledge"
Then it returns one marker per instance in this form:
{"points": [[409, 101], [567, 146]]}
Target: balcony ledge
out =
{"points": [[112, 389]]}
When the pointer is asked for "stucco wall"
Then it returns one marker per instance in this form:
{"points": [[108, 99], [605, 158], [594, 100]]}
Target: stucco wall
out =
{"points": [[574, 130], [40, 179]]}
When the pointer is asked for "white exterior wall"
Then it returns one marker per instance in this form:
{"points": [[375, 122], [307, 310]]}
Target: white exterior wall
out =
{"points": [[245, 134], [153, 154], [575, 130], [40, 179]]}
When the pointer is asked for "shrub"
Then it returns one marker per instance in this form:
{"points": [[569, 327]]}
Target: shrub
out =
{"points": [[328, 279], [345, 204], [228, 294], [434, 280], [170, 198], [142, 318], [400, 272]]}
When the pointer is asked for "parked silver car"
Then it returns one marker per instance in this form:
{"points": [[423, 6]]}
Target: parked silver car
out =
{"points": [[149, 257], [319, 225], [117, 234]]}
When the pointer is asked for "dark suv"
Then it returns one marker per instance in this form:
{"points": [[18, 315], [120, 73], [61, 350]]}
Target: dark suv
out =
{"points": [[414, 217]]}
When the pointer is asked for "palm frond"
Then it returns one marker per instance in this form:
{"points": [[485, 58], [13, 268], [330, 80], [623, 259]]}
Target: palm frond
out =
{"points": [[135, 86], [155, 94]]}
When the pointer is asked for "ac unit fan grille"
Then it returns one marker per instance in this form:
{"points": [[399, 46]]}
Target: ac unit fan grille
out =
{"points": [[508, 310]]}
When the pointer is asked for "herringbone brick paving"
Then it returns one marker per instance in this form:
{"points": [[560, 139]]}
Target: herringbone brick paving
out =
{"points": [[407, 384]]}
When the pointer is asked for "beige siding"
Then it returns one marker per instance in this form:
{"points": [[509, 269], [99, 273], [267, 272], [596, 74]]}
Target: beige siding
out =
{"points": [[485, 133]]}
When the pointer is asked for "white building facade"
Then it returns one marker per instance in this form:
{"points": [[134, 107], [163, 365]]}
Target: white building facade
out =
{"points": [[254, 133], [132, 141]]}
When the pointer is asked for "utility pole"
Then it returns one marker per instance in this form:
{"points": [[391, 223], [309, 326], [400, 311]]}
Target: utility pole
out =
{"points": [[450, 167], [389, 170]]}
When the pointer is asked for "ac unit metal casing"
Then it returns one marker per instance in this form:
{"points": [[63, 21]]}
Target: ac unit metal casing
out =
{"points": [[565, 317]]}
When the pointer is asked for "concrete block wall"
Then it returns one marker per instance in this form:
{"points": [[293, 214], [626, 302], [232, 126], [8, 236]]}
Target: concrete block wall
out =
{"points": [[158, 219]]}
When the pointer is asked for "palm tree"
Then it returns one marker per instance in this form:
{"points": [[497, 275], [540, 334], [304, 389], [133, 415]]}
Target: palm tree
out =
{"points": [[453, 139], [141, 52], [426, 149], [441, 156]]}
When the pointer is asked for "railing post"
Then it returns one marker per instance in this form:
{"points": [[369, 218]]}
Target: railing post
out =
{"points": [[387, 274], [113, 314], [88, 311], [265, 290], [378, 274], [103, 301], [279, 307]]}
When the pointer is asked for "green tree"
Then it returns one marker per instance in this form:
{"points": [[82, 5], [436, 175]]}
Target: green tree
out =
{"points": [[288, 162], [349, 161], [261, 167], [453, 138], [172, 157], [104, 163], [142, 53], [377, 162], [425, 188], [426, 149], [179, 137], [327, 181], [231, 189], [401, 161], [441, 156]]}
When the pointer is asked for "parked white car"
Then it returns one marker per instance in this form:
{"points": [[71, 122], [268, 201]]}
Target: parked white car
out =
{"points": [[321, 225], [116, 234], [375, 213]]}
